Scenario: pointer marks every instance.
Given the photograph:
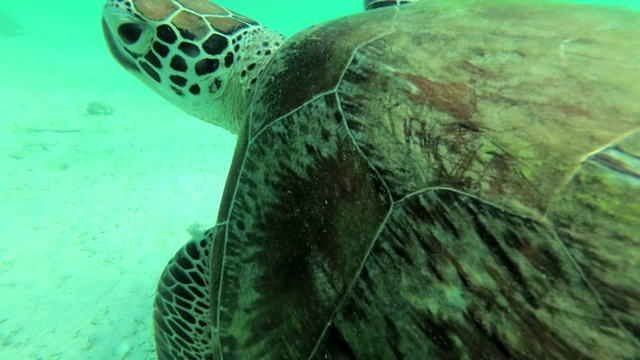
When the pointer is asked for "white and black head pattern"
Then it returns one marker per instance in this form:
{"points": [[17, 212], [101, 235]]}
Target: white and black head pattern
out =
{"points": [[192, 52]]}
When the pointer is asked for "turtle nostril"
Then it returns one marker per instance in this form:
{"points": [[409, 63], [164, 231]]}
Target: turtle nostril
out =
{"points": [[130, 33]]}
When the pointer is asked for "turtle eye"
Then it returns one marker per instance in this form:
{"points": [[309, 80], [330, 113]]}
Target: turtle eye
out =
{"points": [[130, 33]]}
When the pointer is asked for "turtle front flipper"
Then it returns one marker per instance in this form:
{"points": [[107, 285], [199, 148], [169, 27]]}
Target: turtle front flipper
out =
{"points": [[182, 326]]}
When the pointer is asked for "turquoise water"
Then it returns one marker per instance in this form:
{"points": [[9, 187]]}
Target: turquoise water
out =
{"points": [[100, 179]]}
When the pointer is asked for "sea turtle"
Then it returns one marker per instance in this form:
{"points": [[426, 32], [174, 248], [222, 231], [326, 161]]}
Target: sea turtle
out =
{"points": [[449, 179]]}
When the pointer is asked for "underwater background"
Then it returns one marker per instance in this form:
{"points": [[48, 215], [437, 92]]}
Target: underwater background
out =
{"points": [[101, 180]]}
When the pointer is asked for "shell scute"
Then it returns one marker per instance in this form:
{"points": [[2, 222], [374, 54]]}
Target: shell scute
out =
{"points": [[284, 272]]}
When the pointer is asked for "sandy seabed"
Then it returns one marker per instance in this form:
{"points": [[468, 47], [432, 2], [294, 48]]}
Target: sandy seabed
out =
{"points": [[101, 181]]}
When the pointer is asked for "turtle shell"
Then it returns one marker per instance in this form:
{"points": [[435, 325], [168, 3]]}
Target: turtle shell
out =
{"points": [[447, 179]]}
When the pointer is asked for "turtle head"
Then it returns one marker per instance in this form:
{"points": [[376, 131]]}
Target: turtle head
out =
{"points": [[198, 55]]}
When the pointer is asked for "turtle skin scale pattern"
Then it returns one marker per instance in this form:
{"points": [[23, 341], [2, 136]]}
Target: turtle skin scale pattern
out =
{"points": [[189, 51]]}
